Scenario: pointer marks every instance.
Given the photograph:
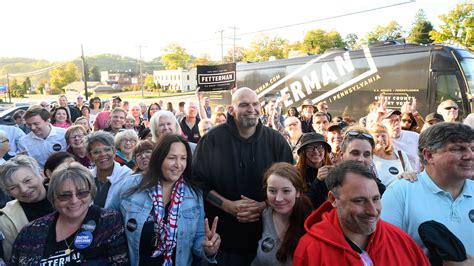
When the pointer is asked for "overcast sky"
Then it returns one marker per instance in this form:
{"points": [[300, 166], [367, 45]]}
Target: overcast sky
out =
{"points": [[55, 29]]}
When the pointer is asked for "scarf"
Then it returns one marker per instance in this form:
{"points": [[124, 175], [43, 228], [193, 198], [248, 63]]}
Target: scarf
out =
{"points": [[167, 231]]}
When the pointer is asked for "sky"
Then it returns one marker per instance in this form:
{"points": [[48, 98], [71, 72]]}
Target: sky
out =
{"points": [[55, 29]]}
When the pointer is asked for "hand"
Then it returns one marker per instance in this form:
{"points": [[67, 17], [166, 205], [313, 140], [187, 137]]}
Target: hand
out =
{"points": [[323, 172], [198, 93], [409, 175], [250, 210], [212, 240]]}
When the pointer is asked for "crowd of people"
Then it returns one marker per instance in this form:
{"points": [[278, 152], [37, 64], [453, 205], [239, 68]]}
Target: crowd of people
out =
{"points": [[252, 183]]}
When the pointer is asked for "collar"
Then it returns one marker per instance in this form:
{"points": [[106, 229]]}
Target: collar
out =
{"points": [[52, 132], [467, 189]]}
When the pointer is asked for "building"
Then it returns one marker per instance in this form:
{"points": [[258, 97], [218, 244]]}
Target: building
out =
{"points": [[120, 79], [177, 80]]}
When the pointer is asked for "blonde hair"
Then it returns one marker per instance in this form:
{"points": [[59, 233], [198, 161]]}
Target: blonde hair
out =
{"points": [[379, 128]]}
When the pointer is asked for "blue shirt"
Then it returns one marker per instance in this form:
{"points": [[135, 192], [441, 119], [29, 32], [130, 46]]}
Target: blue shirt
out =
{"points": [[407, 205]]}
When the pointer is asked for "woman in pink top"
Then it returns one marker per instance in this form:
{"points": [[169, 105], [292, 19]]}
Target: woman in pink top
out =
{"points": [[60, 118]]}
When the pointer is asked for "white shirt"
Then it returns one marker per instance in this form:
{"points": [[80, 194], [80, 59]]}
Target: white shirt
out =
{"points": [[389, 170], [40, 148], [408, 142], [14, 135]]}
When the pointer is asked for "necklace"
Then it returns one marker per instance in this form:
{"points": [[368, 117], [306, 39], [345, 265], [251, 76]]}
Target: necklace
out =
{"points": [[68, 250]]}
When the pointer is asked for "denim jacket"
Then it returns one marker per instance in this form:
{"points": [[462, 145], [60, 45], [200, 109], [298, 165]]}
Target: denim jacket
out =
{"points": [[136, 208]]}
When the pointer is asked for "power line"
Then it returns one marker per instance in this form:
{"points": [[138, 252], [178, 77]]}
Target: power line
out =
{"points": [[312, 21], [34, 72]]}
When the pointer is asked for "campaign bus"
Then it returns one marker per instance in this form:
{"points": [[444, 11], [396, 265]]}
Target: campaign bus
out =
{"points": [[348, 81]]}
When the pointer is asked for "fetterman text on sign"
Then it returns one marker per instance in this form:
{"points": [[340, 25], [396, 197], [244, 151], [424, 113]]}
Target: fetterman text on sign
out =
{"points": [[216, 78]]}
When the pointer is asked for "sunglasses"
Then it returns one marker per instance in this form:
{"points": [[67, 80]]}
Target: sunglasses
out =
{"points": [[450, 107], [357, 134], [68, 195]]}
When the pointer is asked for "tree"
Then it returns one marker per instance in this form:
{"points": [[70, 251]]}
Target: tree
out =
{"points": [[239, 55], [62, 76], [392, 31], [15, 89], [263, 47], [204, 59], [174, 57], [94, 74], [458, 25], [317, 41], [149, 83], [26, 85], [421, 28], [351, 40]]}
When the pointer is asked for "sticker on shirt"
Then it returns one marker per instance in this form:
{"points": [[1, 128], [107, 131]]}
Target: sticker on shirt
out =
{"points": [[56, 147], [132, 225], [471, 215], [268, 244], [393, 170], [89, 226], [83, 239], [60, 258]]}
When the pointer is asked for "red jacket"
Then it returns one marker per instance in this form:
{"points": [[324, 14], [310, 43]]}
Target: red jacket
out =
{"points": [[324, 243]]}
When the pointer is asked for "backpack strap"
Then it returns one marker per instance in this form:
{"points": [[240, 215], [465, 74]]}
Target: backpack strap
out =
{"points": [[400, 156]]}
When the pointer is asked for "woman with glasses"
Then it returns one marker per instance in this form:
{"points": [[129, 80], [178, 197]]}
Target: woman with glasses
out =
{"points": [[164, 212], [125, 142], [313, 164], [20, 178], [389, 163], [95, 105], [78, 232], [75, 139], [142, 154]]}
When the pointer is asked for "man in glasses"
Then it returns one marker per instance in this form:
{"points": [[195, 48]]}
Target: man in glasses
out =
{"points": [[404, 140], [347, 229], [444, 190], [449, 110]]}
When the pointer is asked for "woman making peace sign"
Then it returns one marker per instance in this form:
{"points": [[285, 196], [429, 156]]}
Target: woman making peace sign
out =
{"points": [[163, 210]]}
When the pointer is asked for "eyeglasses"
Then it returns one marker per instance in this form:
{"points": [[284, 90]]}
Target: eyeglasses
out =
{"points": [[131, 141], [318, 147], [67, 196], [5, 140], [357, 134], [143, 154], [451, 107], [406, 121], [98, 151], [76, 136]]}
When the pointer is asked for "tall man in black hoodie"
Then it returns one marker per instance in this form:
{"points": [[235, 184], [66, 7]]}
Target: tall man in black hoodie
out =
{"points": [[230, 161]]}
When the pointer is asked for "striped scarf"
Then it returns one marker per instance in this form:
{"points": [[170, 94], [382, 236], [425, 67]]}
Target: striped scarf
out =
{"points": [[167, 231]]}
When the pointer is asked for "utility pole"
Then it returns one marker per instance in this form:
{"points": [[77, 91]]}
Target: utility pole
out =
{"points": [[140, 68], [233, 50], [84, 69], [222, 45], [8, 88]]}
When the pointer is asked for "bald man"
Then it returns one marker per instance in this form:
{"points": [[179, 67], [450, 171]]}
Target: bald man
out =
{"points": [[230, 160]]}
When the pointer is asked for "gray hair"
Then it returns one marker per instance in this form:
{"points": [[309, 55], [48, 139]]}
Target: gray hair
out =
{"points": [[13, 165], [100, 136], [155, 121], [441, 134], [79, 174], [128, 133], [441, 105]]}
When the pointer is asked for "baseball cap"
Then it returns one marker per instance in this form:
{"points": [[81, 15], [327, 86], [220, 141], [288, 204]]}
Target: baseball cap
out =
{"points": [[391, 112], [433, 116]]}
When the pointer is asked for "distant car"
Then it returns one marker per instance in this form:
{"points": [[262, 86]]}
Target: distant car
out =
{"points": [[6, 117]]}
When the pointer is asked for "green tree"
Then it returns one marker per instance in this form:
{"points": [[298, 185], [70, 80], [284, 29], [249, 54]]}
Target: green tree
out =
{"points": [[174, 57], [317, 41], [392, 31], [94, 74], [62, 76], [204, 59], [458, 25], [421, 28], [263, 47], [149, 83], [26, 85], [239, 55], [40, 88], [351, 40], [16, 89]]}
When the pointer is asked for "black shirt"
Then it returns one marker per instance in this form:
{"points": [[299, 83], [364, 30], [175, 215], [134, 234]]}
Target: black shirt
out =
{"points": [[191, 133], [36, 210], [62, 252]]}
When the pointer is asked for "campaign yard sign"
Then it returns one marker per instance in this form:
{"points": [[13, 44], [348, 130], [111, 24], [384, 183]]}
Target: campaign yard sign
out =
{"points": [[3, 89], [216, 77]]}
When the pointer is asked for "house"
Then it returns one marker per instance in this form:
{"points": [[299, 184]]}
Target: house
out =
{"points": [[177, 80]]}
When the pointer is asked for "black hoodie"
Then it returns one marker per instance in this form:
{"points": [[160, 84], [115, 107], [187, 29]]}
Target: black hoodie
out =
{"points": [[234, 166]]}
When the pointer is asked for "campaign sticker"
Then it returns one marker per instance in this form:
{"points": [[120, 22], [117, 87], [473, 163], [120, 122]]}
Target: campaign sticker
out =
{"points": [[471, 215], [89, 226], [83, 239], [268, 244], [132, 225], [393, 170], [57, 147]]}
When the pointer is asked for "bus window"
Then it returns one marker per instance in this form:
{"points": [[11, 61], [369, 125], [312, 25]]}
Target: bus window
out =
{"points": [[447, 87], [467, 65]]}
